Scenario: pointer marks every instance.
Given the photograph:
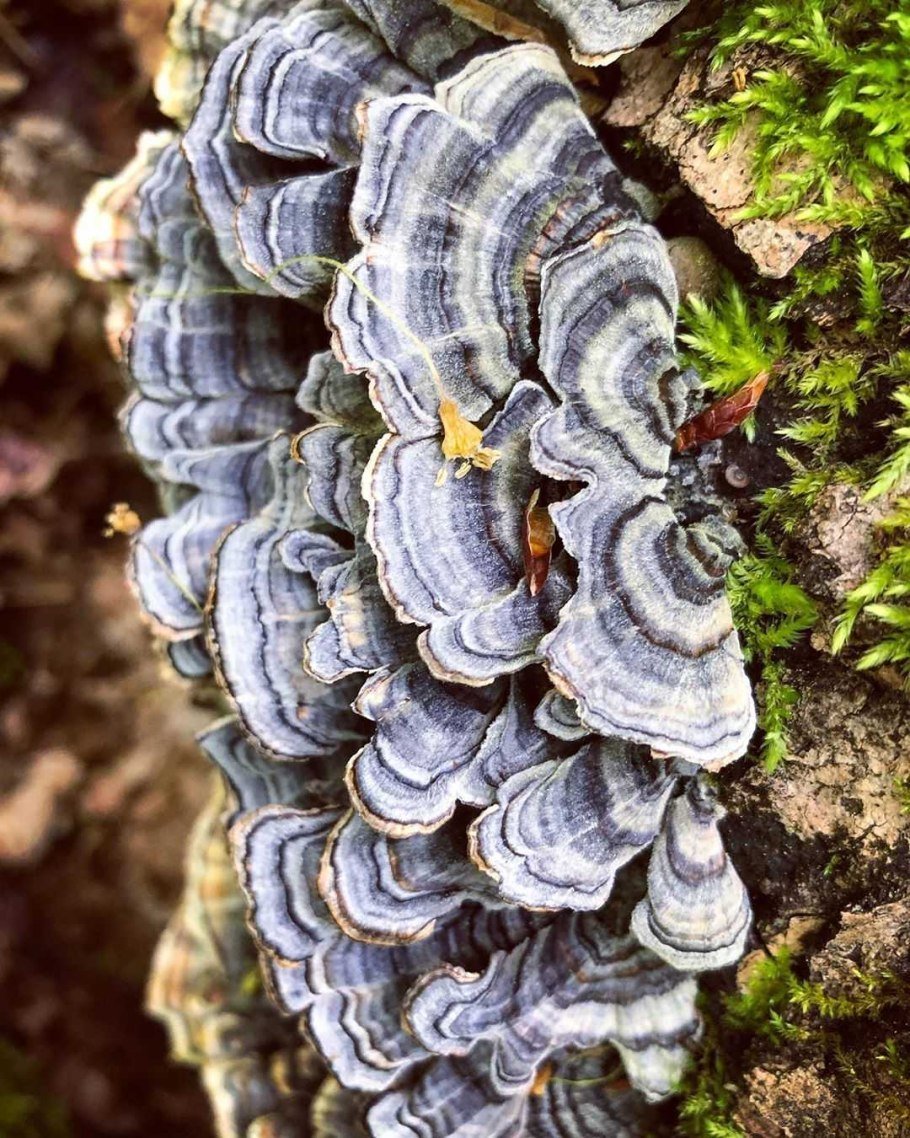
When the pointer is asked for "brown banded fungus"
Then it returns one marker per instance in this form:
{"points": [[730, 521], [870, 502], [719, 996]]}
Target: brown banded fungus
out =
{"points": [[439, 895]]}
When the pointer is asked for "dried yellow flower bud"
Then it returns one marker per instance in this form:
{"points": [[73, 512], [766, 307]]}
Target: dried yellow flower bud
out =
{"points": [[462, 439]]}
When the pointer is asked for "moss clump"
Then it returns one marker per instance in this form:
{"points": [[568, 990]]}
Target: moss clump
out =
{"points": [[26, 1110], [825, 108], [832, 98], [778, 1010], [771, 612]]}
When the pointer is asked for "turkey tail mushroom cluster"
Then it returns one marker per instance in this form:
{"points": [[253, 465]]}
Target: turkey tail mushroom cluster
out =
{"points": [[473, 826]]}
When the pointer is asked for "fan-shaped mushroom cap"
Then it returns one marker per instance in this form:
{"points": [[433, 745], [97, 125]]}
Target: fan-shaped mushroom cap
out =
{"points": [[290, 233], [601, 30], [189, 658], [450, 555], [696, 915], [559, 831], [361, 633], [106, 234], [558, 716], [156, 429], [256, 781], [301, 81], [477, 201], [171, 555], [650, 607], [261, 609], [453, 1098], [415, 769], [394, 892], [335, 458], [277, 852], [330, 394], [570, 984]]}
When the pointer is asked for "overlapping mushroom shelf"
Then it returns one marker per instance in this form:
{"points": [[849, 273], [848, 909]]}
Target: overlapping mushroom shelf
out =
{"points": [[477, 669]]}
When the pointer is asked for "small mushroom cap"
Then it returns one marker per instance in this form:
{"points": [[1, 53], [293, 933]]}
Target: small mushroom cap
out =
{"points": [[361, 633], [696, 915], [156, 428], [171, 555], [335, 458], [301, 81], [256, 781], [277, 852], [649, 606], [464, 576], [558, 716], [414, 770], [290, 233], [331, 395], [189, 658], [601, 30], [260, 612], [106, 235], [559, 831], [570, 984], [394, 892]]}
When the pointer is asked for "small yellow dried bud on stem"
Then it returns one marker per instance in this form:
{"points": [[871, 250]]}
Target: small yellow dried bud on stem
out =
{"points": [[463, 440], [122, 518]]}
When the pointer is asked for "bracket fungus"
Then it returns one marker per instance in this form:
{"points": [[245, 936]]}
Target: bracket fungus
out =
{"points": [[436, 559], [601, 30]]}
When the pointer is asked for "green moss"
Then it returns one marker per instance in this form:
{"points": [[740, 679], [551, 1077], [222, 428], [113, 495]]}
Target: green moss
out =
{"points": [[829, 107], [26, 1110], [824, 385], [730, 341], [883, 597], [782, 1010], [771, 612], [708, 1096]]}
